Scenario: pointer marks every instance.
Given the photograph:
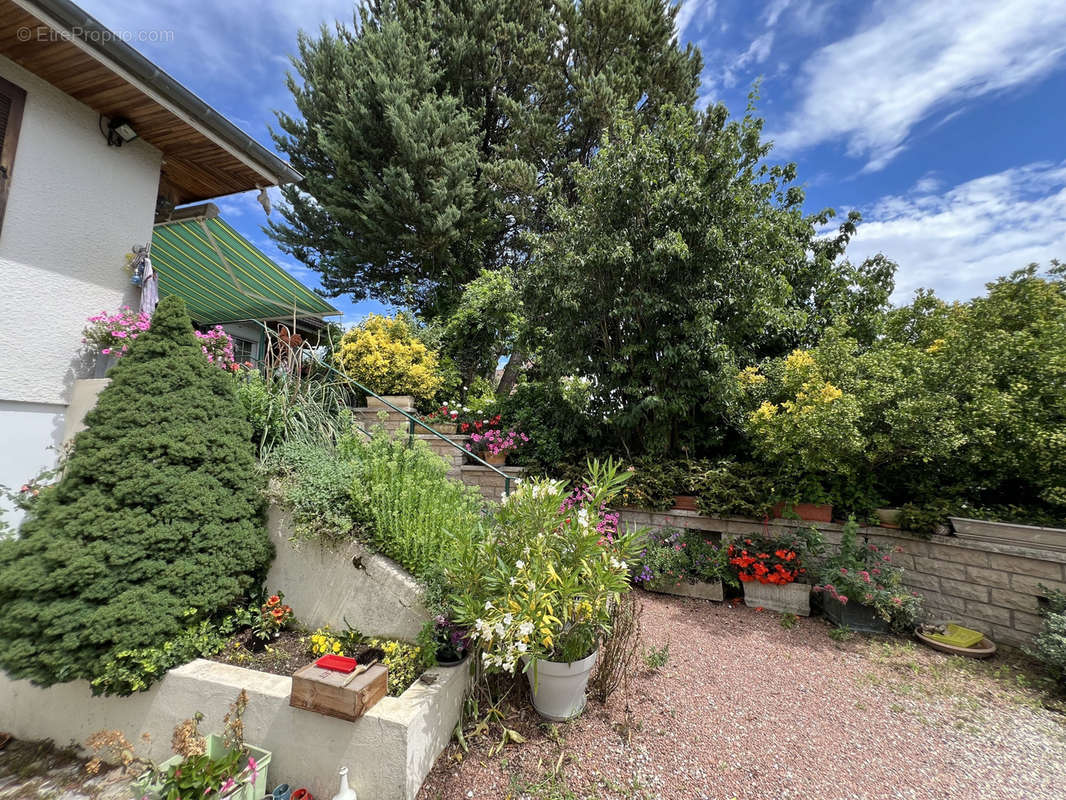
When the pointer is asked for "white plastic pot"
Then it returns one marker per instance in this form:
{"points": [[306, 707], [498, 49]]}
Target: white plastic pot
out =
{"points": [[559, 688]]}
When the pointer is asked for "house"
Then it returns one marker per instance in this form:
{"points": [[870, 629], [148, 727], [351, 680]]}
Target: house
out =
{"points": [[96, 144]]}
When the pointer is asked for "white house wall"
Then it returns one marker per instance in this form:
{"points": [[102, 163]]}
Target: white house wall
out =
{"points": [[75, 208]]}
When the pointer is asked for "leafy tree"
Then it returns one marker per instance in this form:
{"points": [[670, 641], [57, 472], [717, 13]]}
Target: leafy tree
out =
{"points": [[685, 256], [156, 522], [484, 326], [433, 134]]}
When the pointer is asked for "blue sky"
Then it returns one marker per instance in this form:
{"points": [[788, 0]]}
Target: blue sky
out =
{"points": [[943, 122]]}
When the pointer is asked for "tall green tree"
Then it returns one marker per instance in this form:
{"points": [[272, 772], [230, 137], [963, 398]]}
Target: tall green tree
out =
{"points": [[156, 522], [685, 256], [433, 134]]}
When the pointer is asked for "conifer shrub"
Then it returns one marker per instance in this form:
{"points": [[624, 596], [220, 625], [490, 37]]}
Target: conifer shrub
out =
{"points": [[156, 522]]}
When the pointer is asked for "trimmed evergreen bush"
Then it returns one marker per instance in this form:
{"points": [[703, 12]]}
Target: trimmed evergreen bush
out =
{"points": [[156, 522]]}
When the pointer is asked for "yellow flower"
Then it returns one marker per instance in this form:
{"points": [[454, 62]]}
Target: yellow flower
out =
{"points": [[750, 376], [798, 361]]}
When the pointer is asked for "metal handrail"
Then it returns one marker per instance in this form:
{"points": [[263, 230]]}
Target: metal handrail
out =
{"points": [[412, 421]]}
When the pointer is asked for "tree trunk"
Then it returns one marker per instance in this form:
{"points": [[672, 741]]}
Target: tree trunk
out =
{"points": [[510, 374]]}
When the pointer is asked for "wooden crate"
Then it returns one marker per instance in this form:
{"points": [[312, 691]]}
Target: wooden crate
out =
{"points": [[324, 691]]}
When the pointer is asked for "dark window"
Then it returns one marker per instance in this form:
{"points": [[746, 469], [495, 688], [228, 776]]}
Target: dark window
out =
{"points": [[243, 350], [12, 100]]}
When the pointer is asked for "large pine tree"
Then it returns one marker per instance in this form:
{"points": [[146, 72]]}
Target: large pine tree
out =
{"points": [[158, 511], [433, 134]]}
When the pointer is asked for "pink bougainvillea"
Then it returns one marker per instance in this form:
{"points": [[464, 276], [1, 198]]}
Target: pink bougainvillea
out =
{"points": [[111, 334]]}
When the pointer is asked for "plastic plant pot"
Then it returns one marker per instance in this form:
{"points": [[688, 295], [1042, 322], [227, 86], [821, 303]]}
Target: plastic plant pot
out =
{"points": [[282, 792]]}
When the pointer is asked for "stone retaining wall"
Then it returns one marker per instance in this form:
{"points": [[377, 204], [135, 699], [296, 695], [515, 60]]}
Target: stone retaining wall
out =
{"points": [[990, 587]]}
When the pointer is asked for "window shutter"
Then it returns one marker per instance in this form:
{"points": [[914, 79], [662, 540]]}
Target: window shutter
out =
{"points": [[12, 100]]}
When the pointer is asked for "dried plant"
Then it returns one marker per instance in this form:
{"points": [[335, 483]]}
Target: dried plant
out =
{"points": [[619, 651], [112, 747], [233, 723], [187, 740]]}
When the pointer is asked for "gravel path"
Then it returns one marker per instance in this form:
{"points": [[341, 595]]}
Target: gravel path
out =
{"points": [[746, 709]]}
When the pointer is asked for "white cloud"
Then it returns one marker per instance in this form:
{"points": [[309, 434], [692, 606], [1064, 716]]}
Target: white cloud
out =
{"points": [[774, 10], [874, 87], [758, 51], [690, 11], [958, 240]]}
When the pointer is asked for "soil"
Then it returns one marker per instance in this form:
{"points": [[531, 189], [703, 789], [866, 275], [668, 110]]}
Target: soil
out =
{"points": [[43, 771], [283, 656]]}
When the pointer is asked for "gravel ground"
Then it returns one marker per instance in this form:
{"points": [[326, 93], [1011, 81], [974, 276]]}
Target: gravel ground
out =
{"points": [[41, 771], [747, 709]]}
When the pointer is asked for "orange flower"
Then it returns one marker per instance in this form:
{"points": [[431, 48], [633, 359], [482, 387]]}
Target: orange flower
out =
{"points": [[278, 613], [273, 601]]}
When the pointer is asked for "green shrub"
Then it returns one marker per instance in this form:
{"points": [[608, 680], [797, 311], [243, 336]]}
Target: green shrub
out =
{"points": [[1050, 644], [415, 512], [671, 555], [159, 511], [315, 483], [553, 415]]}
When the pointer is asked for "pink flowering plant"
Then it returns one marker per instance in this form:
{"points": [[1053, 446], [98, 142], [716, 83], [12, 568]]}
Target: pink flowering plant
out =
{"points": [[112, 334], [500, 442], [218, 347], [861, 572]]}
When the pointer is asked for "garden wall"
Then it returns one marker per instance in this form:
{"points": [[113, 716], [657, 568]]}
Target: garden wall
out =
{"points": [[344, 583], [994, 588], [389, 751]]}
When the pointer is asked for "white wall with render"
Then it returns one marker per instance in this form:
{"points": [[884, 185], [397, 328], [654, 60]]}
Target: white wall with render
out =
{"points": [[75, 208], [389, 750], [325, 587]]}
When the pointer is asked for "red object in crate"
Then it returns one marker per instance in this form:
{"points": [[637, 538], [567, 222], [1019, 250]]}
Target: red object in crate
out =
{"points": [[337, 663]]}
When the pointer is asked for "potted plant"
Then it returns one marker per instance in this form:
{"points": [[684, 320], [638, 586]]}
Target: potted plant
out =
{"points": [[684, 563], [108, 336], [539, 588], [772, 571], [450, 640], [498, 444], [443, 420], [888, 517], [221, 766], [862, 590]]}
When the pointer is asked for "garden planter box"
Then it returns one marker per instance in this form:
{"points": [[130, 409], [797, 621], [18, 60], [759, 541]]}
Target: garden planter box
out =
{"points": [[447, 428], [853, 615], [401, 401], [791, 598], [810, 512], [496, 459], [888, 517], [700, 591], [685, 502], [251, 790], [1010, 533]]}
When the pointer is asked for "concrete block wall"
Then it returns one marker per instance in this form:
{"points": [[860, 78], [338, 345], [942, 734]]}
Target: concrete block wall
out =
{"points": [[990, 587], [488, 481]]}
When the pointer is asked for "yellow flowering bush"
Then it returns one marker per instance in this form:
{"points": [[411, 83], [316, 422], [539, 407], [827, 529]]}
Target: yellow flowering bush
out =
{"points": [[542, 583], [383, 354], [806, 429]]}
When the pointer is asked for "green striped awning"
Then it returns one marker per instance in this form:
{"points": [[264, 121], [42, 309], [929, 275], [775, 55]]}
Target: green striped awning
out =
{"points": [[222, 277]]}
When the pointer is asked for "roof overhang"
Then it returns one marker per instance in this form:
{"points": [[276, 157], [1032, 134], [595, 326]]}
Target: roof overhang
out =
{"points": [[204, 154]]}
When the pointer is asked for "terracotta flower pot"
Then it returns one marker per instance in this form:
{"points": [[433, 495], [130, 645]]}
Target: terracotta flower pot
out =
{"points": [[809, 512], [496, 459]]}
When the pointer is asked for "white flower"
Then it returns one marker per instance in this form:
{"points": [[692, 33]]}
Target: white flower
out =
{"points": [[519, 564], [508, 619], [522, 647], [514, 580], [530, 585], [525, 629], [488, 605]]}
